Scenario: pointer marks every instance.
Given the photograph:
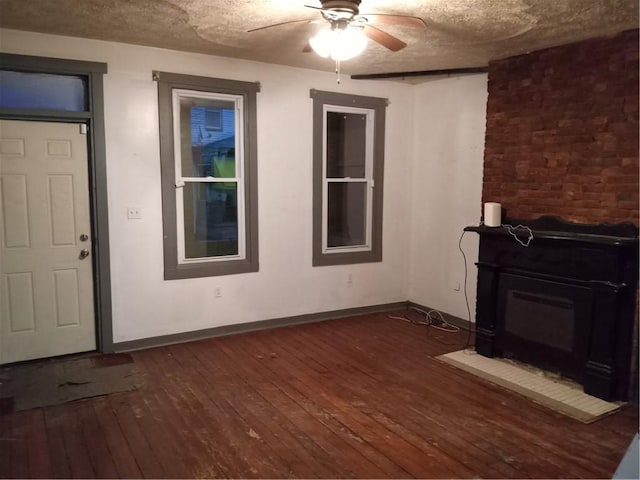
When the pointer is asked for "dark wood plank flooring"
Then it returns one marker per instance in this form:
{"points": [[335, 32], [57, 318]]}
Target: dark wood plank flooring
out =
{"points": [[362, 397]]}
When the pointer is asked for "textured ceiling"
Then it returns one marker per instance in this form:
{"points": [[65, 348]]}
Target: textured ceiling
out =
{"points": [[459, 33]]}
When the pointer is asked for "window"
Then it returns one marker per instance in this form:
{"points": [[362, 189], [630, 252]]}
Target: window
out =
{"points": [[213, 119], [43, 91], [209, 175], [348, 163]]}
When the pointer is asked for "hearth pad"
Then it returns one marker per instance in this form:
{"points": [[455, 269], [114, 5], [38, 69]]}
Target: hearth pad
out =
{"points": [[560, 395]]}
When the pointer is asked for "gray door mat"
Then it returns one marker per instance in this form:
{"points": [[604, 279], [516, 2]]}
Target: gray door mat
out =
{"points": [[53, 382]]}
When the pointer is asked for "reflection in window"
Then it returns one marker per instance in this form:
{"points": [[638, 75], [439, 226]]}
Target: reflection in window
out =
{"points": [[346, 216], [346, 144], [210, 220]]}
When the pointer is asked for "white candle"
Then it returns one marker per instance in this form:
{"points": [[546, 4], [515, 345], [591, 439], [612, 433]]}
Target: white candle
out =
{"points": [[492, 214]]}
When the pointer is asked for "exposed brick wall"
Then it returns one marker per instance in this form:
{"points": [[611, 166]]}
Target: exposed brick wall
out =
{"points": [[562, 132]]}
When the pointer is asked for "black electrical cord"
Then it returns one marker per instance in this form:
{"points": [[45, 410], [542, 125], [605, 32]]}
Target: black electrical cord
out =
{"points": [[466, 297], [443, 324]]}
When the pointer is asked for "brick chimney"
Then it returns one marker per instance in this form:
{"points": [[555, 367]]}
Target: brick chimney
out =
{"points": [[562, 132]]}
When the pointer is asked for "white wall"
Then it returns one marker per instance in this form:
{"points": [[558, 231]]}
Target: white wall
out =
{"points": [[144, 305], [449, 128]]}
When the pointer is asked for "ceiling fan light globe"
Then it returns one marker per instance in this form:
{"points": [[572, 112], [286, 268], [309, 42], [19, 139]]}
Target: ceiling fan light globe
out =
{"points": [[322, 42], [339, 44], [351, 44]]}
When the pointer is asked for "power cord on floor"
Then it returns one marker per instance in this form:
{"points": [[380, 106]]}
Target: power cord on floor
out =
{"points": [[432, 319], [440, 323], [435, 319]]}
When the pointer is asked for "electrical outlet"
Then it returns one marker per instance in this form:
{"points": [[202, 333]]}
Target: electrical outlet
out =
{"points": [[217, 292], [134, 213], [349, 279]]}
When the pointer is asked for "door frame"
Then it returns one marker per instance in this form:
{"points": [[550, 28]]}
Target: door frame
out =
{"points": [[94, 119]]}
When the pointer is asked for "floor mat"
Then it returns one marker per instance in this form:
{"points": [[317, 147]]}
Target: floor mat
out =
{"points": [[52, 382], [560, 395]]}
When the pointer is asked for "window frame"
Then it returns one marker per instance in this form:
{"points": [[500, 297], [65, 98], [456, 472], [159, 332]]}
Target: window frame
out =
{"points": [[375, 108], [367, 179], [237, 100], [174, 266]]}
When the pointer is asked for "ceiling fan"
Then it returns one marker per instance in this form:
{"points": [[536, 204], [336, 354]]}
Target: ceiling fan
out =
{"points": [[347, 28]]}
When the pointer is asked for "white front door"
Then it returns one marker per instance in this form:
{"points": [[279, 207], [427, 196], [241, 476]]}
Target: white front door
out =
{"points": [[46, 274]]}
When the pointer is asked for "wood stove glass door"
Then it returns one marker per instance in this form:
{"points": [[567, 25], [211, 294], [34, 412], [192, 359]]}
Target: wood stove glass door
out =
{"points": [[544, 323]]}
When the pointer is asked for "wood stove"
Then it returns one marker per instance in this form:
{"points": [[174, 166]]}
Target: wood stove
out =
{"points": [[566, 303]]}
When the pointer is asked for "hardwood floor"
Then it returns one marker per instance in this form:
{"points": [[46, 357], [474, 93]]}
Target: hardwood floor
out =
{"points": [[362, 397]]}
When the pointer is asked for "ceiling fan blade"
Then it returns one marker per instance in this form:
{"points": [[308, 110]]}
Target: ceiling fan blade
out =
{"points": [[391, 19], [279, 24], [314, 7], [383, 38]]}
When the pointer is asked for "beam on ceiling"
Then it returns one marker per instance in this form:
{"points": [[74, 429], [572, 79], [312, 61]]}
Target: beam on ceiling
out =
{"points": [[423, 73]]}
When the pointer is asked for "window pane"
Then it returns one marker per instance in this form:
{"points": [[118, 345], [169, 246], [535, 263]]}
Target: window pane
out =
{"points": [[346, 214], [346, 144], [210, 219], [208, 137], [42, 91]]}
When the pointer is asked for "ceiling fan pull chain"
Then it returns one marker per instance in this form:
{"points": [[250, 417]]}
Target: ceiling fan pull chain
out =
{"points": [[338, 72]]}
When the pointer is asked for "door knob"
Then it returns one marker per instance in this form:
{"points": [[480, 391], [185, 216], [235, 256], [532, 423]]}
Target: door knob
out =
{"points": [[84, 253]]}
